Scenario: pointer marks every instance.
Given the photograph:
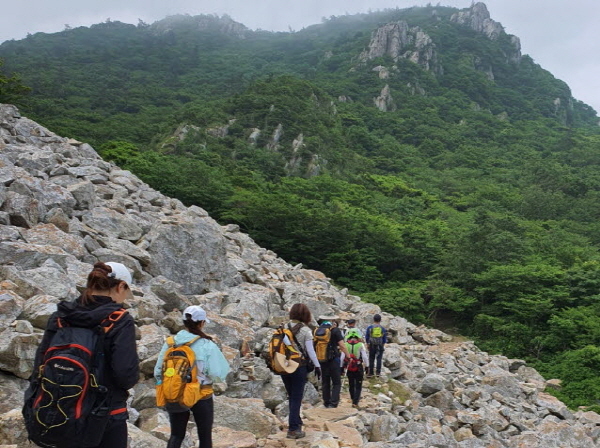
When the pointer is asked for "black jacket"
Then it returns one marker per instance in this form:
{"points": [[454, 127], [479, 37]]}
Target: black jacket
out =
{"points": [[122, 366]]}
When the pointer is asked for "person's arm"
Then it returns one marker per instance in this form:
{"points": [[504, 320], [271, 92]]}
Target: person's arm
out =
{"points": [[159, 363], [124, 361], [340, 342], [217, 366], [365, 357], [343, 348], [310, 351], [384, 336], [367, 334]]}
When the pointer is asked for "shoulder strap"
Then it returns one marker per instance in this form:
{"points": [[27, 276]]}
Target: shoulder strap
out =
{"points": [[190, 342], [110, 321], [171, 341], [295, 330]]}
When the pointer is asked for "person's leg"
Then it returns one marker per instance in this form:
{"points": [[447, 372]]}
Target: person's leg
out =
{"points": [[358, 387], [326, 382], [372, 352], [178, 422], [336, 380], [204, 412], [352, 385], [115, 435], [287, 382], [297, 381], [379, 359]]}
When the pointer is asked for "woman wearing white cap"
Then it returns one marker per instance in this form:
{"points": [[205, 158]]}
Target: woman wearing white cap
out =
{"points": [[108, 286], [211, 365]]}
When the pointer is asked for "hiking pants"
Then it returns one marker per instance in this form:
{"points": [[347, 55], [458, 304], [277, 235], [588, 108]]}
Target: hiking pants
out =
{"points": [[332, 381], [375, 352], [294, 385], [115, 434], [203, 416], [355, 380]]}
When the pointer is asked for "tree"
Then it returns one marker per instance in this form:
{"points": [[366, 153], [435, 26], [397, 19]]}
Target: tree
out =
{"points": [[12, 91]]}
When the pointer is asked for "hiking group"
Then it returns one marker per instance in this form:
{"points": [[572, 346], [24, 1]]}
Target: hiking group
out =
{"points": [[87, 361], [295, 351]]}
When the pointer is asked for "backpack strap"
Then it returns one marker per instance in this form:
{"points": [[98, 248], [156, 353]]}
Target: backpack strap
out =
{"points": [[295, 330], [171, 341], [190, 342], [110, 321]]}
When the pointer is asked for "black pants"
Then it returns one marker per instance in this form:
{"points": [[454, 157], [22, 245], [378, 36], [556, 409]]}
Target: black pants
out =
{"points": [[204, 413], [294, 385], [375, 352], [115, 435], [332, 382], [355, 380]]}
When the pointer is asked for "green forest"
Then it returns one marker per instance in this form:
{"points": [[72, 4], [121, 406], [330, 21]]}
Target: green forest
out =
{"points": [[471, 203]]}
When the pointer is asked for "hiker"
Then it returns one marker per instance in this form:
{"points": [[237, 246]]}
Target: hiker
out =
{"points": [[351, 325], [354, 365], [329, 342], [211, 365], [300, 318], [115, 369], [376, 338]]}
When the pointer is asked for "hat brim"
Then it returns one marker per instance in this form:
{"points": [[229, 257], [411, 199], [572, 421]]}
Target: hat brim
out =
{"points": [[284, 364]]}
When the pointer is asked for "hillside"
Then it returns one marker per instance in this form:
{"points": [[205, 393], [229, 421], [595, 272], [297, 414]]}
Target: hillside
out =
{"points": [[62, 208], [414, 156]]}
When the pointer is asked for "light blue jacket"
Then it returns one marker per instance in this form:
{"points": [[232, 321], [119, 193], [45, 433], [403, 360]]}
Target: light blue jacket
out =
{"points": [[212, 365]]}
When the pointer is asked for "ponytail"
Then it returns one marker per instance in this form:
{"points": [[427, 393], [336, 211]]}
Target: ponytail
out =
{"points": [[194, 327], [98, 280]]}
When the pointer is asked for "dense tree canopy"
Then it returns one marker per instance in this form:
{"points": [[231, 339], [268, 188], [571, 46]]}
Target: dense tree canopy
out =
{"points": [[473, 204]]}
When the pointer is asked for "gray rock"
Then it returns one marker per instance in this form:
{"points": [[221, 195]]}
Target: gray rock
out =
{"points": [[38, 309], [431, 384], [245, 415], [109, 222], [198, 270], [84, 194]]}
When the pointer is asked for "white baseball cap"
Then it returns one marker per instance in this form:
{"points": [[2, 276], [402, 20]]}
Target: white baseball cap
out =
{"points": [[196, 312], [120, 272]]}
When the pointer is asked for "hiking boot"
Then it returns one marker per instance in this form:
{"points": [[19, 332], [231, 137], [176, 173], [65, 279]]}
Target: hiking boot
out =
{"points": [[297, 434]]}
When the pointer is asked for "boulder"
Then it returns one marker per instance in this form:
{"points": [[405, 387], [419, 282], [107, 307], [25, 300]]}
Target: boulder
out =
{"points": [[198, 270], [247, 414], [39, 308]]}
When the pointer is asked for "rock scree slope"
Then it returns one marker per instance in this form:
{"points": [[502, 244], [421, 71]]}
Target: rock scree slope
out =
{"points": [[62, 208]]}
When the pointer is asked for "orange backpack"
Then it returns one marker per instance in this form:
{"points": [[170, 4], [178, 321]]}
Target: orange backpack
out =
{"points": [[180, 376]]}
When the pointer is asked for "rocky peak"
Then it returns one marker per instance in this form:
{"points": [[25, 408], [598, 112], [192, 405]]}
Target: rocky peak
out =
{"points": [[398, 40], [62, 208], [478, 18], [223, 24]]}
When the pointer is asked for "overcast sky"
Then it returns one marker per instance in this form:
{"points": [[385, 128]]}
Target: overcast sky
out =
{"points": [[563, 36]]}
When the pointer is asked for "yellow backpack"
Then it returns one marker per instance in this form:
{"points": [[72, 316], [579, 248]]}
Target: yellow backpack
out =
{"points": [[284, 353], [324, 349], [179, 376]]}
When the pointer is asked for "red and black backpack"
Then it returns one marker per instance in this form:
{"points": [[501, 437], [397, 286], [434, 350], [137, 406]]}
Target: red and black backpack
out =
{"points": [[67, 404]]}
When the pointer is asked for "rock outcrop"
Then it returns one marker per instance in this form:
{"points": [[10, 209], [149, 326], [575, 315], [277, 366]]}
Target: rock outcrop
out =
{"points": [[398, 40], [62, 208], [477, 17]]}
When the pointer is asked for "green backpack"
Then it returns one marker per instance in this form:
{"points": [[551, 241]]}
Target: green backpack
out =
{"points": [[376, 335]]}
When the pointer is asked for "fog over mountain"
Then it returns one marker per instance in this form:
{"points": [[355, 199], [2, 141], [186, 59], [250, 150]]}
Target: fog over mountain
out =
{"points": [[564, 37]]}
